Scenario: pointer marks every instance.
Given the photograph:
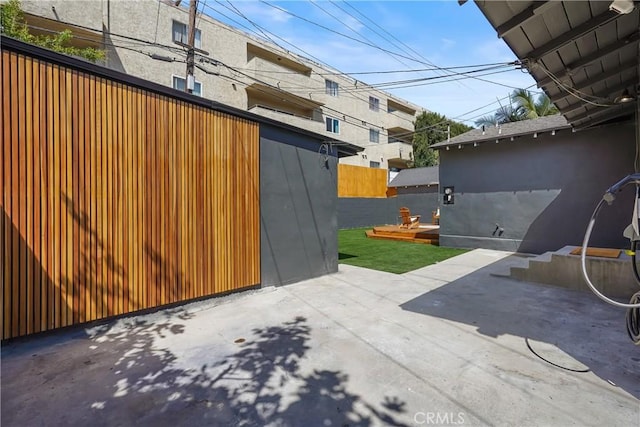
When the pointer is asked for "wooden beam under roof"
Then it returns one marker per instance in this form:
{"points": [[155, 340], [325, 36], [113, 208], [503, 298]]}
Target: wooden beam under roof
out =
{"points": [[571, 35], [605, 93], [518, 20], [612, 113], [595, 56], [598, 78]]}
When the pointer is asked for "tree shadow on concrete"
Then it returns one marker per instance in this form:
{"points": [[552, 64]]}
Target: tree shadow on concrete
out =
{"points": [[577, 323], [264, 382]]}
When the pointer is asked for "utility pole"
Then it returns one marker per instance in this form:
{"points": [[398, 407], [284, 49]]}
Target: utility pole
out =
{"points": [[191, 39]]}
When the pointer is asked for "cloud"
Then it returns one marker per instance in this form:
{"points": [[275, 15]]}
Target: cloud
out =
{"points": [[352, 23], [494, 50], [277, 16], [463, 42], [456, 99], [447, 44], [264, 15]]}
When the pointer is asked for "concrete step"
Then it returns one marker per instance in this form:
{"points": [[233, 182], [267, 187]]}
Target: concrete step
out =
{"points": [[522, 272], [612, 276], [516, 260]]}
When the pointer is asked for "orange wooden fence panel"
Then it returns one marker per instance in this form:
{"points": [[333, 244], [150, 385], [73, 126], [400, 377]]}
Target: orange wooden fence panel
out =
{"points": [[358, 181], [116, 199]]}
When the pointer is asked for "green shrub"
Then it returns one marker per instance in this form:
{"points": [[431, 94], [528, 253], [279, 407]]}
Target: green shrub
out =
{"points": [[13, 25]]}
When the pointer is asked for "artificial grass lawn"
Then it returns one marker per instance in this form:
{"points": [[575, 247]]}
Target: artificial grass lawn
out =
{"points": [[354, 248]]}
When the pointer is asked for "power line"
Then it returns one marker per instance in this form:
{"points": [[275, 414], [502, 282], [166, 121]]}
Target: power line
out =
{"points": [[363, 142], [377, 86], [239, 13], [404, 71], [201, 12], [340, 113], [305, 90], [356, 32], [141, 42], [354, 39], [151, 55], [432, 78], [341, 34], [460, 117], [351, 92], [174, 49], [409, 48], [250, 31], [348, 91], [155, 37], [239, 24]]}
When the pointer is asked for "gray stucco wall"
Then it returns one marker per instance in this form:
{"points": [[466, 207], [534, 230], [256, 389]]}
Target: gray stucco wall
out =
{"points": [[298, 198], [541, 191], [364, 212]]}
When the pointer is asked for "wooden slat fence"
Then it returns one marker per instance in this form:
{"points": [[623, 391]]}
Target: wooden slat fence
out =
{"points": [[116, 199], [358, 181]]}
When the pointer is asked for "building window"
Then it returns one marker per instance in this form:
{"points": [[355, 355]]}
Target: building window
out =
{"points": [[375, 165], [331, 87], [179, 83], [180, 35], [333, 125], [374, 135], [374, 103]]}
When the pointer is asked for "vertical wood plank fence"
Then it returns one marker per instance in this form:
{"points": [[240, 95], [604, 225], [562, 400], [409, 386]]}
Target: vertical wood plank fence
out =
{"points": [[358, 181], [116, 199]]}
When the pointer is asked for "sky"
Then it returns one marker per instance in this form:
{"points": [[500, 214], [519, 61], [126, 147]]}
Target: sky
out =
{"points": [[383, 36]]}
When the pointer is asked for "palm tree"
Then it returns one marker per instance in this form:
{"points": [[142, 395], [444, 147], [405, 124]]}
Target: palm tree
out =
{"points": [[522, 106], [510, 113], [534, 108], [487, 121]]}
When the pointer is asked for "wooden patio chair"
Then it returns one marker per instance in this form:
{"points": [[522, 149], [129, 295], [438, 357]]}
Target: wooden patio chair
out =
{"points": [[408, 220], [435, 217]]}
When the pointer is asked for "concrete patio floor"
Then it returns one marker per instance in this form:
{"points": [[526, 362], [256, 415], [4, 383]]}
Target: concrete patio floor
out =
{"points": [[454, 343]]}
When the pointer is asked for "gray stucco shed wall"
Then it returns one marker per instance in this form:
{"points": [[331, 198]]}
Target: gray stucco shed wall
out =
{"points": [[298, 198], [540, 191]]}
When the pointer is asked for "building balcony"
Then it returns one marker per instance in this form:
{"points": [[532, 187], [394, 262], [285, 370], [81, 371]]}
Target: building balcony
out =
{"points": [[281, 101], [275, 74], [399, 154], [288, 117], [82, 37], [399, 134], [396, 154], [400, 115]]}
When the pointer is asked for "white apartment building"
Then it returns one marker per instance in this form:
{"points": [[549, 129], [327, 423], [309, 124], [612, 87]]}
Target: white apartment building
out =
{"points": [[147, 39]]}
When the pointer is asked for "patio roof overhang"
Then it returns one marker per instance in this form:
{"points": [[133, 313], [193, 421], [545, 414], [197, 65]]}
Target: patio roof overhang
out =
{"points": [[583, 54]]}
